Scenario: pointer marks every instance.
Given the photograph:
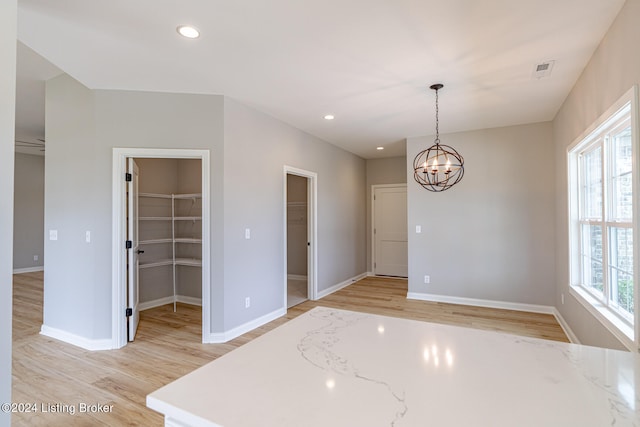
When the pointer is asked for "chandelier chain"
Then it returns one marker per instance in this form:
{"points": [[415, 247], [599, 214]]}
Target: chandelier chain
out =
{"points": [[437, 119]]}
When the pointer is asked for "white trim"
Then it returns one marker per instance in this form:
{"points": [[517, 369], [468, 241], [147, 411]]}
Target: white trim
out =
{"points": [[373, 218], [28, 270], [628, 336], [532, 308], [565, 327], [312, 233], [77, 340], [619, 329], [323, 293], [118, 297], [169, 300], [223, 337]]}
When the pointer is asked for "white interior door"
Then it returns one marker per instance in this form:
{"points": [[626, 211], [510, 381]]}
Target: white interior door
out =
{"points": [[390, 231], [133, 312]]}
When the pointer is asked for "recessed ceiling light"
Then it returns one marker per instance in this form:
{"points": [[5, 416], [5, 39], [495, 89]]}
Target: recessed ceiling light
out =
{"points": [[188, 32], [379, 148], [329, 117]]}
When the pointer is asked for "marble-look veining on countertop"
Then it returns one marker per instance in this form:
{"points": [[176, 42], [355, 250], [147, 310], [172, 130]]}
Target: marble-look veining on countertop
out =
{"points": [[338, 368], [317, 347]]}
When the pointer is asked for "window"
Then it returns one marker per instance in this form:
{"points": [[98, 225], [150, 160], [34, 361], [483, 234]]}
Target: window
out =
{"points": [[602, 229]]}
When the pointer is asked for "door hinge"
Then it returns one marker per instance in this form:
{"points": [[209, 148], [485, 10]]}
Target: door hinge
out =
{"points": [[375, 231], [128, 244], [128, 177], [129, 312], [375, 264]]}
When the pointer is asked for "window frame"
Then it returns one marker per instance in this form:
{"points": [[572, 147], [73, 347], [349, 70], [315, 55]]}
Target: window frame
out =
{"points": [[618, 117]]}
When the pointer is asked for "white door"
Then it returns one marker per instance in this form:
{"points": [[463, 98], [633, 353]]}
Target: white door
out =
{"points": [[390, 256], [133, 313]]}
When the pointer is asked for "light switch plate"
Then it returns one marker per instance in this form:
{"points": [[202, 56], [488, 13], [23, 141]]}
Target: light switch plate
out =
{"points": [[53, 234]]}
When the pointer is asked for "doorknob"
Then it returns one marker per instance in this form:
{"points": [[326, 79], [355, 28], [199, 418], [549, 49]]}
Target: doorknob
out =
{"points": [[140, 252]]}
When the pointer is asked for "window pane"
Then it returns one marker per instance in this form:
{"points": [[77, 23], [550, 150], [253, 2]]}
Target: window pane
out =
{"points": [[592, 274], [592, 185], [621, 166], [621, 268]]}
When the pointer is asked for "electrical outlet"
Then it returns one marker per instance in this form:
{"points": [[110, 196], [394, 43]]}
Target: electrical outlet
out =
{"points": [[247, 302], [427, 279], [35, 257], [562, 299]]}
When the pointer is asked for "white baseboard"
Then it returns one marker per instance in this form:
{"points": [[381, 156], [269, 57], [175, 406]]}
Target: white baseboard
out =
{"points": [[565, 327], [169, 300], [223, 337], [533, 308], [323, 293], [296, 277], [28, 270], [77, 340]]}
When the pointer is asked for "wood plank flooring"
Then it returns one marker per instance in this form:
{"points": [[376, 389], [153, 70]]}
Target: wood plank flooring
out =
{"points": [[50, 372]]}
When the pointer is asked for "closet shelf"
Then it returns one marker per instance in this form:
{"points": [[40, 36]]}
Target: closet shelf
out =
{"points": [[187, 196], [177, 202], [157, 263], [186, 240], [154, 241], [194, 262], [155, 195]]}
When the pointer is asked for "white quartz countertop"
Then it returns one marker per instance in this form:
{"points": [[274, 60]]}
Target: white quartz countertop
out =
{"points": [[335, 368]]}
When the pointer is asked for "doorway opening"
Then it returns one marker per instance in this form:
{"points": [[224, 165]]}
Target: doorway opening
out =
{"points": [[161, 241], [300, 236]]}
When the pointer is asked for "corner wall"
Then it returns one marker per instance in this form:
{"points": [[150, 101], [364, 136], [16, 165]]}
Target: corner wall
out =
{"points": [[8, 29], [491, 236], [390, 170], [613, 69], [257, 147], [83, 126], [28, 226]]}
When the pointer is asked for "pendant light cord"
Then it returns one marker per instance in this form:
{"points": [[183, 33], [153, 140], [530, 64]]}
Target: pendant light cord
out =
{"points": [[437, 119]]}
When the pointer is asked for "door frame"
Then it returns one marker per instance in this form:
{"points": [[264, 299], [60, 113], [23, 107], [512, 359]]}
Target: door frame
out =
{"points": [[312, 230], [118, 254], [373, 219]]}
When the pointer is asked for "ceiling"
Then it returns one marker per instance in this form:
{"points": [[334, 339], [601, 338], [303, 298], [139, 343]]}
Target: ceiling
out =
{"points": [[368, 62]]}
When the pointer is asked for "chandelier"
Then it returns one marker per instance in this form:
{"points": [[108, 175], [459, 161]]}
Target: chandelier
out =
{"points": [[440, 166]]}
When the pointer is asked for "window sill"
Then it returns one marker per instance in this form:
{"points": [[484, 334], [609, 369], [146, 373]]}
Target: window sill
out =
{"points": [[619, 328]]}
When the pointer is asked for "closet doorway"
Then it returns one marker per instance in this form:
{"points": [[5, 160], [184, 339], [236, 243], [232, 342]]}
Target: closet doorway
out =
{"points": [[161, 236], [300, 236]]}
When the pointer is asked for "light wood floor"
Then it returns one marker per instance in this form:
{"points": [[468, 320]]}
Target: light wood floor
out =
{"points": [[168, 346]]}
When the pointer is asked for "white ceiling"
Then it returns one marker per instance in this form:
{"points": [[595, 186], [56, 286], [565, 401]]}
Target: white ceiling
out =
{"points": [[368, 62]]}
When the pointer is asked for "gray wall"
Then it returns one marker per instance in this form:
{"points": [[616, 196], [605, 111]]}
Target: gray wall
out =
{"points": [[256, 149], [491, 236], [613, 69], [83, 126], [8, 24], [28, 209], [248, 153], [391, 170]]}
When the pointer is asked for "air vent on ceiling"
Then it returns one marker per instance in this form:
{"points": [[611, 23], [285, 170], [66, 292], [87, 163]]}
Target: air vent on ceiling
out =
{"points": [[543, 69]]}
